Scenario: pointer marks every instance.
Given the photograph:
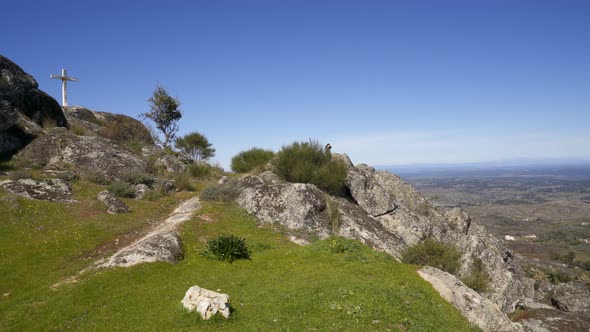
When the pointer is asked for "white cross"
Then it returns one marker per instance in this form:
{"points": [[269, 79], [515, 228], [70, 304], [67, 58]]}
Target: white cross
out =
{"points": [[64, 85]]}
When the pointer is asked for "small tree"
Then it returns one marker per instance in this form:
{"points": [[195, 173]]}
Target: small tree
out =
{"points": [[165, 113], [195, 146]]}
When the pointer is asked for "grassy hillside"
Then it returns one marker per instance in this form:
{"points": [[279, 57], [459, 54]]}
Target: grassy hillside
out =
{"points": [[333, 284]]}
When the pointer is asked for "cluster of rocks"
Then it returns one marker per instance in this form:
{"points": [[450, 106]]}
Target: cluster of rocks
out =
{"points": [[55, 190], [207, 303], [389, 215]]}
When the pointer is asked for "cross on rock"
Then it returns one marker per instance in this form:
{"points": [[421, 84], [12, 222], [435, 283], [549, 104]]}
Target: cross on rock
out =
{"points": [[64, 85]]}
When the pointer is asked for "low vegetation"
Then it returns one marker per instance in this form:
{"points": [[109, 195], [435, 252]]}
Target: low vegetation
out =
{"points": [[430, 252], [227, 248], [479, 278], [250, 160], [310, 162], [226, 192], [347, 286], [136, 177], [121, 189]]}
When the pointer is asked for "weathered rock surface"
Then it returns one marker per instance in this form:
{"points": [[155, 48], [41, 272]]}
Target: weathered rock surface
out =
{"points": [[476, 308], [552, 320], [296, 206], [206, 302], [19, 94], [573, 296], [59, 148], [114, 205], [161, 245], [140, 190], [55, 190], [171, 163], [368, 192]]}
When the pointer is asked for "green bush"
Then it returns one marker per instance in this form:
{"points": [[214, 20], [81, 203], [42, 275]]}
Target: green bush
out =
{"points": [[246, 161], [95, 177], [121, 189], [227, 248], [333, 214], [136, 177], [199, 170], [433, 253], [183, 182], [478, 279], [310, 162], [226, 192], [154, 195]]}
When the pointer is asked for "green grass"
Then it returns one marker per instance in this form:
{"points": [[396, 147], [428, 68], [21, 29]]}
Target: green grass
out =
{"points": [[335, 284]]}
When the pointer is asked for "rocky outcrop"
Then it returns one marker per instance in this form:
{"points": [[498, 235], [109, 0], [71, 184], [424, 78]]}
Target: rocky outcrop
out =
{"points": [[26, 109], [573, 296], [160, 245], [113, 204], [55, 190], [477, 309], [368, 192], [59, 148], [171, 164], [140, 191], [207, 303], [552, 320]]}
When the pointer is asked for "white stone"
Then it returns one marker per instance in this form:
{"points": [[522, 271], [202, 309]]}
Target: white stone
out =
{"points": [[207, 303]]}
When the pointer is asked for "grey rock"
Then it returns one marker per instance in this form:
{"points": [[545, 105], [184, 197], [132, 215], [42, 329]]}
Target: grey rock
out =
{"points": [[61, 149], [19, 93], [173, 164], [296, 206], [55, 190], [207, 303], [368, 192], [552, 320], [140, 190], [223, 180], [572, 296], [344, 159], [163, 184], [477, 309], [270, 177], [113, 204], [156, 247]]}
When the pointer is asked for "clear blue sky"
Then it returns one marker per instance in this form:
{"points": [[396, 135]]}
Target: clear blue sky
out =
{"points": [[389, 82]]}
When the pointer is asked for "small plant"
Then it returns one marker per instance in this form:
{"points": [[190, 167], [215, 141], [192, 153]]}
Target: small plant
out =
{"points": [[226, 192], [227, 248], [478, 279], [310, 162], [95, 177], [18, 175], [121, 189], [199, 170], [154, 195], [433, 253], [182, 181], [333, 214], [136, 177], [247, 161]]}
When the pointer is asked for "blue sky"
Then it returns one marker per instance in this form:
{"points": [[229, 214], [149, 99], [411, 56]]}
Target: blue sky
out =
{"points": [[388, 82]]}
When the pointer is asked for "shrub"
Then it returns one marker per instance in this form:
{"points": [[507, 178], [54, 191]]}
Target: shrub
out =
{"points": [[18, 175], [95, 177], [246, 161], [125, 129], [226, 192], [333, 214], [121, 189], [154, 195], [195, 146], [227, 248], [478, 279], [309, 162], [182, 181], [433, 253], [199, 170], [136, 177]]}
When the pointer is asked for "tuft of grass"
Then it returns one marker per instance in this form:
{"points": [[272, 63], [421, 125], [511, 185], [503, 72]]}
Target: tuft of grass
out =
{"points": [[154, 195], [199, 170], [183, 182], [21, 174], [95, 177], [479, 278], [121, 189], [249, 160], [226, 192], [136, 177], [333, 214], [430, 252], [310, 162], [227, 248]]}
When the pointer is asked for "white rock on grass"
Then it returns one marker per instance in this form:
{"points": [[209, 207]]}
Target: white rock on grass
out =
{"points": [[207, 303]]}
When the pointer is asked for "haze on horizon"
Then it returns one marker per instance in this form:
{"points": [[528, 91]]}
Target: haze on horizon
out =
{"points": [[388, 82]]}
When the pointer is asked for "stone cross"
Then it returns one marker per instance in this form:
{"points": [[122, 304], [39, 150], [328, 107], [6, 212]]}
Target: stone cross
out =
{"points": [[64, 85]]}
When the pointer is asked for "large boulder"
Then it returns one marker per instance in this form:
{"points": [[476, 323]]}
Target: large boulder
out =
{"points": [[573, 296], [60, 148], [164, 246], [113, 204], [368, 192], [55, 190], [207, 303], [477, 309], [25, 108]]}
